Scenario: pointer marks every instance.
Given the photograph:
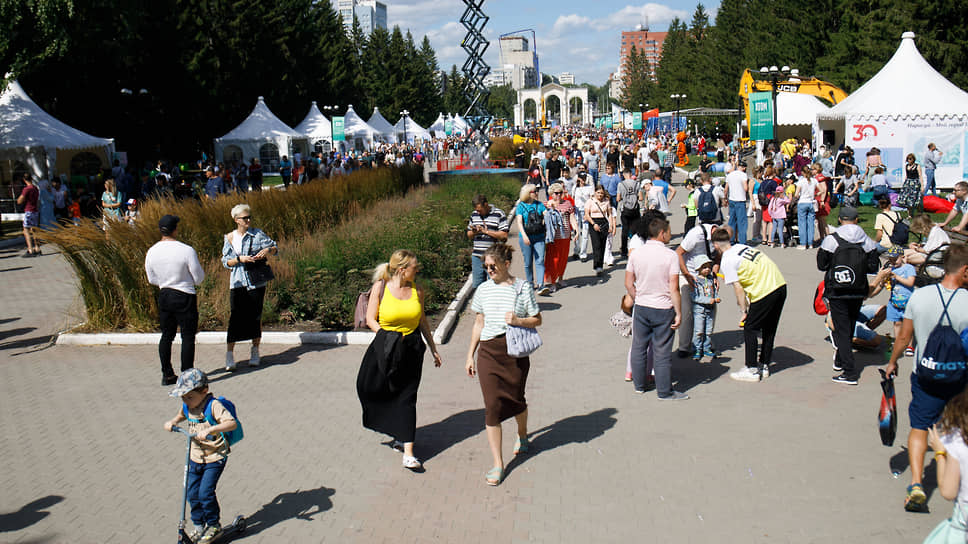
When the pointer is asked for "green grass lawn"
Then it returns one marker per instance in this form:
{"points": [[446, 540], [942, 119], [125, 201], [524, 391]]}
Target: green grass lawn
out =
{"points": [[867, 214]]}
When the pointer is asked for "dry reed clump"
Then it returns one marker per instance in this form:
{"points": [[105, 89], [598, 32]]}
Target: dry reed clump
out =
{"points": [[110, 268], [503, 149]]}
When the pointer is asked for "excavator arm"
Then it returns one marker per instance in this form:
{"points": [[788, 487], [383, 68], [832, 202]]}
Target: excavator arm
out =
{"points": [[802, 85]]}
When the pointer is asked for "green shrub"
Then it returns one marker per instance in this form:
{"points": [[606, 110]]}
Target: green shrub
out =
{"points": [[503, 149]]}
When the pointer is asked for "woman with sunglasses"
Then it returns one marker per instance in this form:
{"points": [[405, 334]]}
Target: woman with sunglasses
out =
{"points": [[501, 301], [530, 214], [390, 373], [245, 246], [599, 216], [556, 250]]}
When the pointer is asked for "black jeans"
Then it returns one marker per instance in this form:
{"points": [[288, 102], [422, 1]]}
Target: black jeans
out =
{"points": [[177, 309], [843, 314], [598, 243], [630, 221], [763, 315]]}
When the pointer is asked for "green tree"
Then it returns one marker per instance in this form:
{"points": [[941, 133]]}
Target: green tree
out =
{"points": [[501, 102], [428, 86], [454, 101], [32, 33], [637, 81]]}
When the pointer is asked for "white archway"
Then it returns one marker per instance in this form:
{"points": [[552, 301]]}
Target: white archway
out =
{"points": [[564, 96]]}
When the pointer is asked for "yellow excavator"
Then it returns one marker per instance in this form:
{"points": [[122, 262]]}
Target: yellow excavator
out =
{"points": [[793, 84]]}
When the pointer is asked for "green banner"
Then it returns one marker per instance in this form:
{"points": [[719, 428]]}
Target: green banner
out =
{"points": [[637, 120], [339, 134], [448, 127], [761, 116], [608, 122]]}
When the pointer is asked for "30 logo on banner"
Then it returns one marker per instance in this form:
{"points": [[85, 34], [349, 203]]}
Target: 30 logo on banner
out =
{"points": [[864, 131]]}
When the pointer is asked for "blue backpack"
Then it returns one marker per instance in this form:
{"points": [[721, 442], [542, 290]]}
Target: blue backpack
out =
{"points": [[231, 437], [706, 208], [943, 357]]}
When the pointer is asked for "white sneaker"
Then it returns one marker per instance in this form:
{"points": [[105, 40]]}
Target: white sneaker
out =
{"points": [[254, 356], [229, 361], [765, 371], [748, 374]]}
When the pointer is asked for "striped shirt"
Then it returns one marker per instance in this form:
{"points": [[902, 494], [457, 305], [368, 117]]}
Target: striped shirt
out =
{"points": [[495, 220], [494, 301]]}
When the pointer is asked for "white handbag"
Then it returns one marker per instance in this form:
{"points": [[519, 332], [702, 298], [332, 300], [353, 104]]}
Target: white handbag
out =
{"points": [[521, 341]]}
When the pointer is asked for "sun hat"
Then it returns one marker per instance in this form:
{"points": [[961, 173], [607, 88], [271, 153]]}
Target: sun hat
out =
{"points": [[188, 380]]}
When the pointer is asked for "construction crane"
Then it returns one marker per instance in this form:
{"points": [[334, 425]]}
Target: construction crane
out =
{"points": [[794, 84]]}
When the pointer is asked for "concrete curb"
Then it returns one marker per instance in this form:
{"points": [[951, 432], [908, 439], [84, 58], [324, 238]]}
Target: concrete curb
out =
{"points": [[216, 337], [446, 326]]}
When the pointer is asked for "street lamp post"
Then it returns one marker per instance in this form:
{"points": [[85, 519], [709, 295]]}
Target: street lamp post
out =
{"points": [[404, 114], [332, 110], [774, 73], [678, 98]]}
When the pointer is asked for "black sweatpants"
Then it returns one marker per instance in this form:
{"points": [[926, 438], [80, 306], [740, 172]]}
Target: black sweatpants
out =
{"points": [[630, 222], [177, 309], [843, 314], [763, 315]]}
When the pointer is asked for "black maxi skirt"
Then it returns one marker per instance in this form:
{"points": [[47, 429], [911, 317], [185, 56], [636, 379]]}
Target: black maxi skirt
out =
{"points": [[245, 319], [387, 383]]}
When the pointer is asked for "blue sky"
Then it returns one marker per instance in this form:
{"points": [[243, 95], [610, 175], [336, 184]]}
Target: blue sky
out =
{"points": [[581, 37]]}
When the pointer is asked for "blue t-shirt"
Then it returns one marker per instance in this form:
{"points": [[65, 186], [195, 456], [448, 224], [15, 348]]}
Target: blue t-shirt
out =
{"points": [[610, 182], [522, 210], [901, 293], [662, 183], [285, 168]]}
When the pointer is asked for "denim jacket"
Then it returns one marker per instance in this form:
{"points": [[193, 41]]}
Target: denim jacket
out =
{"points": [[253, 241], [705, 291]]}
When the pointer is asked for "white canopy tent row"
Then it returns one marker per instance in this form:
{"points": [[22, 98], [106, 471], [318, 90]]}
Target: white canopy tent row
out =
{"points": [[32, 140], [358, 133], [317, 129], [438, 127], [460, 125], [900, 110], [408, 131], [385, 131], [261, 135]]}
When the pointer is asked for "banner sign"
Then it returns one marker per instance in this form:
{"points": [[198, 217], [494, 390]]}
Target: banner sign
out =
{"points": [[608, 122], [637, 120], [664, 124], [449, 127], [339, 133], [761, 116], [897, 137]]}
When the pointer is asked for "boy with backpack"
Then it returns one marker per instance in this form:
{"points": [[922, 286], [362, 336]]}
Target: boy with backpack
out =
{"points": [[901, 284], [933, 318], [213, 424], [847, 256], [708, 201]]}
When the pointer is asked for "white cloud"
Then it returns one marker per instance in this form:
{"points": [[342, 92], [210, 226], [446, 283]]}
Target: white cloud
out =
{"points": [[655, 15], [569, 22]]}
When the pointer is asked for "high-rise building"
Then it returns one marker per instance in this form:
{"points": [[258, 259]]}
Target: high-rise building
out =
{"points": [[497, 78], [371, 14], [519, 61], [566, 78], [643, 40]]}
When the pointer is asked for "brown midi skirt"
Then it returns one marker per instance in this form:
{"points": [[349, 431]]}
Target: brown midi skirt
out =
{"points": [[502, 380]]}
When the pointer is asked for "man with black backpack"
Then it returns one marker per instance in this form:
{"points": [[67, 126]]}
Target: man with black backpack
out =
{"points": [[934, 317], [708, 201], [847, 256], [628, 205]]}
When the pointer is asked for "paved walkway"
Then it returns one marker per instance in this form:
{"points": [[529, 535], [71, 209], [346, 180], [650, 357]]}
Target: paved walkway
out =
{"points": [[793, 459]]}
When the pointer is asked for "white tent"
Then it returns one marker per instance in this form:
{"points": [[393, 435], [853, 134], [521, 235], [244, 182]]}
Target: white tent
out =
{"points": [[359, 134], [796, 115], [385, 131], [438, 127], [408, 130], [902, 109], [41, 144], [261, 135], [317, 129], [460, 125]]}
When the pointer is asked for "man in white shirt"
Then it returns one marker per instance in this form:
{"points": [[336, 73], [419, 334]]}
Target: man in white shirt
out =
{"points": [[737, 187], [698, 241], [174, 267]]}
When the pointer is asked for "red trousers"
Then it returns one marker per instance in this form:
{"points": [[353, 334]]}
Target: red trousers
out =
{"points": [[556, 258]]}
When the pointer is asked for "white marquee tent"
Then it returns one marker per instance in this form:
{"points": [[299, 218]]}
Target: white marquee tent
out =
{"points": [[407, 128], [902, 109], [438, 127], [796, 115], [261, 135], [359, 134], [317, 129], [385, 131], [33, 140], [460, 125]]}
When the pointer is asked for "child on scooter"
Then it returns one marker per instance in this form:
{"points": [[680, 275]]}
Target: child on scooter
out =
{"points": [[209, 450]]}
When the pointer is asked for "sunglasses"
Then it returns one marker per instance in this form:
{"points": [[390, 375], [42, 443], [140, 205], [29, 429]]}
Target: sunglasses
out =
{"points": [[490, 267], [246, 218], [558, 193]]}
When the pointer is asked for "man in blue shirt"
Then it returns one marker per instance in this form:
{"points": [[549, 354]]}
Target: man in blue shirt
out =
{"points": [[285, 170], [214, 185], [666, 188], [610, 182]]}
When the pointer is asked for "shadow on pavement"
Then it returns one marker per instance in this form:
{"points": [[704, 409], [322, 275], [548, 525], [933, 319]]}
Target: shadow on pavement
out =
{"points": [[899, 461], [288, 357], [296, 505], [14, 269], [548, 306], [583, 281], [689, 373], [569, 430], [27, 342], [788, 358], [28, 514], [16, 332], [437, 437], [8, 320]]}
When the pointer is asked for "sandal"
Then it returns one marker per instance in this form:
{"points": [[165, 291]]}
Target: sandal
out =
{"points": [[494, 476], [411, 462], [521, 445], [916, 500]]}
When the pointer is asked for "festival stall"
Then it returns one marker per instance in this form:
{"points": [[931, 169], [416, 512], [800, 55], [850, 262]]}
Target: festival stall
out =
{"points": [[461, 126], [796, 116], [359, 134], [408, 130], [385, 131], [317, 129], [439, 127], [261, 135], [902, 109], [32, 140]]}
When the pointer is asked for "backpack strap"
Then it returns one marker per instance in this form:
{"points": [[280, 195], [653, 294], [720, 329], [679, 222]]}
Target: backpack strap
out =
{"points": [[207, 411], [944, 305]]}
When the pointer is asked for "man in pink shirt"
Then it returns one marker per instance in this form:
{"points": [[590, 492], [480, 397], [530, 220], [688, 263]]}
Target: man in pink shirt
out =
{"points": [[652, 279]]}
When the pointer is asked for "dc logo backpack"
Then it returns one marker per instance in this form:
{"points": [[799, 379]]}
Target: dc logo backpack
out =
{"points": [[706, 208], [231, 437], [847, 274], [943, 357]]}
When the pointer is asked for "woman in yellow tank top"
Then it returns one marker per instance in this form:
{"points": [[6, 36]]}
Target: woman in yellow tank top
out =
{"points": [[390, 373]]}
